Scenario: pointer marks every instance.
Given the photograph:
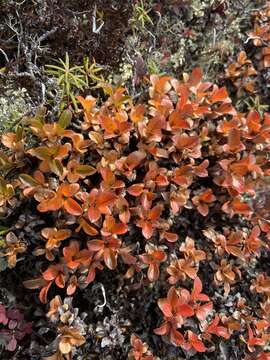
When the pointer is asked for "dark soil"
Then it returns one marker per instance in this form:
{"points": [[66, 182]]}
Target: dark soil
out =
{"points": [[67, 27]]}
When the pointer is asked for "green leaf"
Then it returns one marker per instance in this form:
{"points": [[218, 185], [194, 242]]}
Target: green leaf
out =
{"points": [[4, 160], [3, 184], [74, 102], [41, 152], [28, 180], [3, 230], [65, 119], [85, 170], [56, 167], [19, 133]]}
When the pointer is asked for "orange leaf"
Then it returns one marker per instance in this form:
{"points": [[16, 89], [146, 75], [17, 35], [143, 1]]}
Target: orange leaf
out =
{"points": [[171, 237], [195, 77], [44, 292], [72, 207], [87, 228], [253, 121], [69, 190], [234, 141], [135, 189], [104, 200], [137, 113], [155, 212], [219, 94], [110, 258], [52, 204], [147, 229], [71, 288]]}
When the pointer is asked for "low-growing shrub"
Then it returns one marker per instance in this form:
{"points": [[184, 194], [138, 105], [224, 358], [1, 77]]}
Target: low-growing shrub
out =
{"points": [[169, 191]]}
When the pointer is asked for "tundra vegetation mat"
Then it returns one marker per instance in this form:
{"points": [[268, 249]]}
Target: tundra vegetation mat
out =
{"points": [[134, 187]]}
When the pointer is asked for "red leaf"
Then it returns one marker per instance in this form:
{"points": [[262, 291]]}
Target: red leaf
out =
{"points": [[234, 141], [120, 229], [185, 310], [147, 229], [203, 311], [50, 274], [163, 329], [3, 317], [199, 346], [11, 346], [176, 337], [60, 281], [91, 275], [52, 204], [95, 245], [153, 272], [195, 342], [213, 328], [69, 190], [203, 209], [87, 228], [165, 307], [197, 287], [222, 331]]}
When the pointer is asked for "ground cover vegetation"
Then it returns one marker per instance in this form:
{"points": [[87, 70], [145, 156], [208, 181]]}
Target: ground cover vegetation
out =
{"points": [[134, 187]]}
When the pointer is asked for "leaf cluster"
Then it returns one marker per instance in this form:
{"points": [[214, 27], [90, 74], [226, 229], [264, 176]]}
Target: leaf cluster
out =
{"points": [[118, 188], [72, 78], [13, 327]]}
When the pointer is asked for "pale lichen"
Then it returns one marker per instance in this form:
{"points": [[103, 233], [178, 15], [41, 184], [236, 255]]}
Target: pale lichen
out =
{"points": [[14, 103]]}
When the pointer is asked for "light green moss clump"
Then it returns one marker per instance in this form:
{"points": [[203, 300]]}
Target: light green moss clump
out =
{"points": [[198, 7], [13, 105]]}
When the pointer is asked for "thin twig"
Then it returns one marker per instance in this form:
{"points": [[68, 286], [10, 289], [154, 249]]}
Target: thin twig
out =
{"points": [[5, 55], [101, 286], [214, 37], [94, 25], [47, 34], [21, 3], [78, 12]]}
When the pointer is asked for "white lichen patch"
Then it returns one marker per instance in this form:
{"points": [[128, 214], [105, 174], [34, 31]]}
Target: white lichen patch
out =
{"points": [[13, 105]]}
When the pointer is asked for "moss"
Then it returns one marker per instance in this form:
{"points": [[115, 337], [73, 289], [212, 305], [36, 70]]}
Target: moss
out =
{"points": [[14, 103], [126, 72]]}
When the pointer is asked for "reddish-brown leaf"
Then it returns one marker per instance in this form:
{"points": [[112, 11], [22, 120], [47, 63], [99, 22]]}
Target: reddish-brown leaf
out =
{"points": [[72, 207]]}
